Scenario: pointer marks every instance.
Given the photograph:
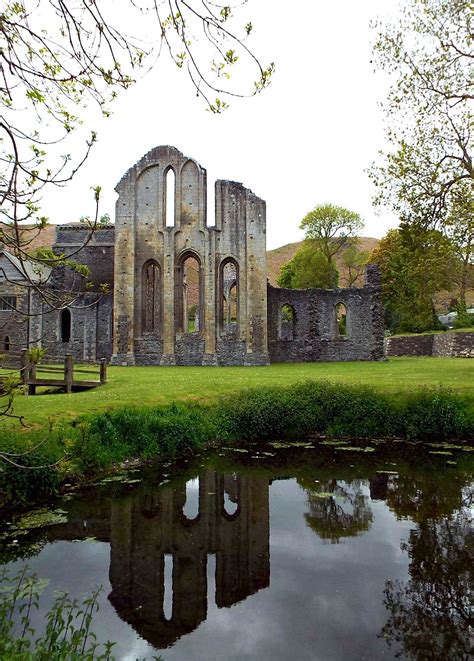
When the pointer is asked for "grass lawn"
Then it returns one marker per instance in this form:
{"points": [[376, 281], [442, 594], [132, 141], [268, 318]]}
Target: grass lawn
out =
{"points": [[157, 385]]}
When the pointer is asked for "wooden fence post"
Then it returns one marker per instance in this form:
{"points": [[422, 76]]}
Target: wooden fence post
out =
{"points": [[68, 372], [31, 369], [24, 366], [103, 371]]}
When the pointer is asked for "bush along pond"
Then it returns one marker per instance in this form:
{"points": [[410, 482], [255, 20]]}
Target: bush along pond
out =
{"points": [[303, 549], [71, 452]]}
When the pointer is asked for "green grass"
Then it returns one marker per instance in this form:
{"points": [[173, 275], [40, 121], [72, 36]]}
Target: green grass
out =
{"points": [[148, 386]]}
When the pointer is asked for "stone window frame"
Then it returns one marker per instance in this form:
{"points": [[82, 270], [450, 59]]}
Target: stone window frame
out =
{"points": [[166, 171], [222, 324], [337, 331], [179, 309], [280, 319], [157, 330], [8, 303]]}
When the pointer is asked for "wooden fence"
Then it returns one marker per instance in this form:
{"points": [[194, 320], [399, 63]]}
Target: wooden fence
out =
{"points": [[63, 373]]}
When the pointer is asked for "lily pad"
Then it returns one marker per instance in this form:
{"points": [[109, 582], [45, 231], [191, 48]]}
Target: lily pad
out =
{"points": [[40, 518], [354, 448]]}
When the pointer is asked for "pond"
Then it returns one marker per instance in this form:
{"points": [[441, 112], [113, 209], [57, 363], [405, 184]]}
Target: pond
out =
{"points": [[324, 551]]}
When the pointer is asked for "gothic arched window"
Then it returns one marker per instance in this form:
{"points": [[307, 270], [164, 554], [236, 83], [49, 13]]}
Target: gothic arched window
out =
{"points": [[151, 297]]}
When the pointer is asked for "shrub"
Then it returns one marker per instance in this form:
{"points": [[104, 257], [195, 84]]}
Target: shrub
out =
{"points": [[435, 415]]}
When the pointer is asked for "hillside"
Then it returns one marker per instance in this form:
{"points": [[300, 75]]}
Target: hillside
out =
{"points": [[279, 256]]}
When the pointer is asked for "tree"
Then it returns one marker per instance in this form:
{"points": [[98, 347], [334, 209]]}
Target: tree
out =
{"points": [[58, 56], [329, 231], [429, 109], [308, 268], [332, 228], [459, 226], [415, 264], [354, 261]]}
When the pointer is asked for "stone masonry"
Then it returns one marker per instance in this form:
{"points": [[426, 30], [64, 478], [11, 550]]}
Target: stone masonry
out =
{"points": [[146, 238], [182, 292]]}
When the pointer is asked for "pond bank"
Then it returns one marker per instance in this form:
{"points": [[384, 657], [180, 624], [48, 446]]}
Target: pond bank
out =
{"points": [[94, 444]]}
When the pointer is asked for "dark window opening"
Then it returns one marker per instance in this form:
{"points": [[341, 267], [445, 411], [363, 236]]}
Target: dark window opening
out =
{"points": [[6, 343], [65, 325], [8, 303]]}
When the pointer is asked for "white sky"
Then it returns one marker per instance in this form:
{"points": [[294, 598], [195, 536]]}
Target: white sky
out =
{"points": [[304, 141]]}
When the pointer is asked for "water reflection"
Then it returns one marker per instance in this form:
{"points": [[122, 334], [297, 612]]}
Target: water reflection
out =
{"points": [[338, 509], [431, 614], [159, 555], [180, 552]]}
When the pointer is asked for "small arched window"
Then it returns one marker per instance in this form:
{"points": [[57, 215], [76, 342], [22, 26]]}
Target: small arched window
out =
{"points": [[229, 296], [6, 343], [341, 320], [189, 300], [65, 325], [287, 323]]}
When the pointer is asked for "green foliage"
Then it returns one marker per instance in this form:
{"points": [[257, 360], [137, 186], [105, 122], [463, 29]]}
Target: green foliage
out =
{"points": [[319, 407], [415, 263], [355, 261], [332, 226], [464, 320], [147, 433], [459, 227], [36, 355], [428, 51], [68, 635], [329, 230], [308, 268], [28, 471], [435, 415]]}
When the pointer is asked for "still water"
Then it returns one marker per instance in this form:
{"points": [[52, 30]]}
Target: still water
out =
{"points": [[320, 552]]}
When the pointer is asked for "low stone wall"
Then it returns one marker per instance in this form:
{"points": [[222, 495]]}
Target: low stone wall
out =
{"points": [[460, 345]]}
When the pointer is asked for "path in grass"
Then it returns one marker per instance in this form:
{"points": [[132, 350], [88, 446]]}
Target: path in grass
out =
{"points": [[157, 385]]}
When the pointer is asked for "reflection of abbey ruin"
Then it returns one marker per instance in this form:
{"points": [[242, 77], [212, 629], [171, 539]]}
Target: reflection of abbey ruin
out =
{"points": [[184, 291], [232, 522]]}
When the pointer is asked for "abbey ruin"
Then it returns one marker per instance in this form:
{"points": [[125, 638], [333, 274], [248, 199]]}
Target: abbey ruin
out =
{"points": [[182, 291]]}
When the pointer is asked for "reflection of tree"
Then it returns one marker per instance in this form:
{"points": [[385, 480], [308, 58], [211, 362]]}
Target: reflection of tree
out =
{"points": [[427, 496], [338, 509], [430, 614]]}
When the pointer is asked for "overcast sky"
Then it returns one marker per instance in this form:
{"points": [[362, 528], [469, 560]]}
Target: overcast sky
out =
{"points": [[304, 141]]}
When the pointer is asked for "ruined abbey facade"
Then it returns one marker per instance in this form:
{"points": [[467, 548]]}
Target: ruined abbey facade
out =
{"points": [[183, 292]]}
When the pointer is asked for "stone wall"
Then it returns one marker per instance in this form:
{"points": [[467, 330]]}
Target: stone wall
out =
{"points": [[152, 290], [443, 344], [315, 333], [90, 329]]}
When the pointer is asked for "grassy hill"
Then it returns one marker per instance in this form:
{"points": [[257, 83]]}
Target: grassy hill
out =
{"points": [[279, 256]]}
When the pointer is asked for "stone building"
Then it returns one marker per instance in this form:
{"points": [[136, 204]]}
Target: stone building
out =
{"points": [[184, 292]]}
